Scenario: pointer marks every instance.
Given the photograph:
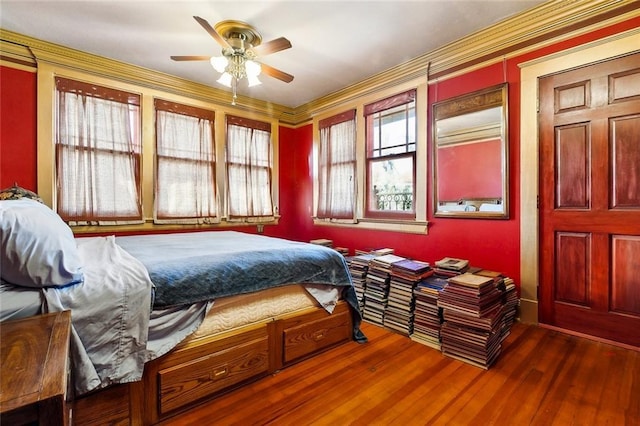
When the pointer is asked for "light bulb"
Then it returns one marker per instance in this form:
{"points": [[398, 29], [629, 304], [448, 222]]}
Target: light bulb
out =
{"points": [[219, 63], [225, 79], [253, 68]]}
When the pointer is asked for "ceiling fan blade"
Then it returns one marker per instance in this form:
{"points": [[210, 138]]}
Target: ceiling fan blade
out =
{"points": [[272, 46], [212, 32], [276, 73], [191, 58]]}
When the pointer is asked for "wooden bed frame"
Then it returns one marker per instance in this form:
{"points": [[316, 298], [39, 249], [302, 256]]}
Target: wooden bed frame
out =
{"points": [[201, 369]]}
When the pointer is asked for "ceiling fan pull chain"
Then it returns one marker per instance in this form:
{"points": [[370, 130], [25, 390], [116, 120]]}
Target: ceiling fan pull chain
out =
{"points": [[234, 84]]}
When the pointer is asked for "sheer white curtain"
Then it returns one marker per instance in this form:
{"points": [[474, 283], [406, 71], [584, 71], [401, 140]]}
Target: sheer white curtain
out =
{"points": [[185, 178], [98, 156], [249, 166], [337, 167]]}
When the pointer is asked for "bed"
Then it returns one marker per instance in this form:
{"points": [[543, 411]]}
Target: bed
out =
{"points": [[181, 318]]}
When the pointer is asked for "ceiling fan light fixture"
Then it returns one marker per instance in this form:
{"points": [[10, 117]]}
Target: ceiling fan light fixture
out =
{"points": [[241, 44], [219, 63], [225, 79]]}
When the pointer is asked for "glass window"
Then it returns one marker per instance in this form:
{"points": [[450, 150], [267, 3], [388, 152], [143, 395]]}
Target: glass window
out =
{"points": [[185, 172], [391, 146], [98, 153], [249, 168], [337, 167]]}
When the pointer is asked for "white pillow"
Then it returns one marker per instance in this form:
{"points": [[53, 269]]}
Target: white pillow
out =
{"points": [[38, 248]]}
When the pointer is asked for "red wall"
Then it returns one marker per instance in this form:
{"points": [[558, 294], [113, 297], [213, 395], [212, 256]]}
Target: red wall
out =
{"points": [[18, 128]]}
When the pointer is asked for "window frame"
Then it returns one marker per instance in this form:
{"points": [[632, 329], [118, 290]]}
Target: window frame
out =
{"points": [[105, 93], [328, 124], [370, 112], [253, 124], [414, 225], [201, 114]]}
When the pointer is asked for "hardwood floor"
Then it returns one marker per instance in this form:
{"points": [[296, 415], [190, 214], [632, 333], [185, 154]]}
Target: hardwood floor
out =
{"points": [[542, 377]]}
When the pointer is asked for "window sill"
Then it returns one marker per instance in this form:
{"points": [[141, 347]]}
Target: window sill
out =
{"points": [[409, 227], [149, 227]]}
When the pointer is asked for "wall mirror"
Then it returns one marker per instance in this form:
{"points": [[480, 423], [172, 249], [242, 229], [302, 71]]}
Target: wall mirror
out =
{"points": [[470, 158]]}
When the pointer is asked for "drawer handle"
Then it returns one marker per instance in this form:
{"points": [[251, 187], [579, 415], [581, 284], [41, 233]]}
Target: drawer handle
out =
{"points": [[318, 335], [219, 373]]}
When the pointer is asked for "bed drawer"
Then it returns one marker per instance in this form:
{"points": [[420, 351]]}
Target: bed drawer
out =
{"points": [[304, 337], [190, 381]]}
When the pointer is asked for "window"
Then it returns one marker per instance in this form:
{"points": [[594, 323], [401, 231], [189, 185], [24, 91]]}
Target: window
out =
{"points": [[337, 167], [391, 156], [98, 153], [249, 167], [185, 184]]}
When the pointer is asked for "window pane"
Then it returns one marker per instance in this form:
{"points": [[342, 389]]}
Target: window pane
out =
{"points": [[391, 144], [185, 185], [248, 153], [337, 169], [393, 131], [391, 183], [98, 162]]}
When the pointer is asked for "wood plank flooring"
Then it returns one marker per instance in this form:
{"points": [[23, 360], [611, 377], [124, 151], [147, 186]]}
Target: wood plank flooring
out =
{"points": [[542, 377]]}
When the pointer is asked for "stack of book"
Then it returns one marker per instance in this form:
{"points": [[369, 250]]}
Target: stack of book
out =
{"points": [[376, 291], [450, 266], [473, 318], [511, 303], [510, 299], [404, 276], [358, 266], [427, 317]]}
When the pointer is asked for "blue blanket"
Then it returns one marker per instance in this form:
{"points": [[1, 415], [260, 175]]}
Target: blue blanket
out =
{"points": [[192, 267]]}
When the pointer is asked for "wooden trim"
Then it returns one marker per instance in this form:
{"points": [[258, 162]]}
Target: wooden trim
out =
{"points": [[337, 119], [590, 337], [179, 108]]}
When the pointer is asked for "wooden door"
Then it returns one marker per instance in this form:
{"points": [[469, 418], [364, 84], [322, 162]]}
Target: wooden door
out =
{"points": [[590, 200]]}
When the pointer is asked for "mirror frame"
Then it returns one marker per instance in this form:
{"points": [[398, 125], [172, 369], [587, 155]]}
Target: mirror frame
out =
{"points": [[473, 102]]}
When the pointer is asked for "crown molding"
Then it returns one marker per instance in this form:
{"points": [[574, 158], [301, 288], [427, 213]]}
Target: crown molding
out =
{"points": [[543, 25]]}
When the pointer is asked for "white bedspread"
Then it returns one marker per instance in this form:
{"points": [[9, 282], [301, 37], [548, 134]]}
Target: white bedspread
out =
{"points": [[110, 315]]}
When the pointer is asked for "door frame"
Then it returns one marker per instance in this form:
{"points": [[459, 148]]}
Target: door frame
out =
{"points": [[603, 49]]}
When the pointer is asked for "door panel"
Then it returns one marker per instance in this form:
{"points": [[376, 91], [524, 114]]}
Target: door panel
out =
{"points": [[590, 200], [572, 268], [625, 152], [625, 286], [572, 166]]}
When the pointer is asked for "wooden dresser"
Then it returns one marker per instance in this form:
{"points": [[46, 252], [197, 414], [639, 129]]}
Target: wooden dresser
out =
{"points": [[34, 355]]}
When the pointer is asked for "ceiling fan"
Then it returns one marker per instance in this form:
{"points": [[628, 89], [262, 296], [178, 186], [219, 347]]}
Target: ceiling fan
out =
{"points": [[241, 45]]}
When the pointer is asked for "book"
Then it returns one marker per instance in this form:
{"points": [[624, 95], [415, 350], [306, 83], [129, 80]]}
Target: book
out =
{"points": [[452, 263], [412, 266], [386, 260], [471, 280], [488, 273], [322, 242], [382, 251]]}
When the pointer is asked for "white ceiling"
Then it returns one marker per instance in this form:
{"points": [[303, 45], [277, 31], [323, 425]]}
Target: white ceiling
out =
{"points": [[335, 43]]}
